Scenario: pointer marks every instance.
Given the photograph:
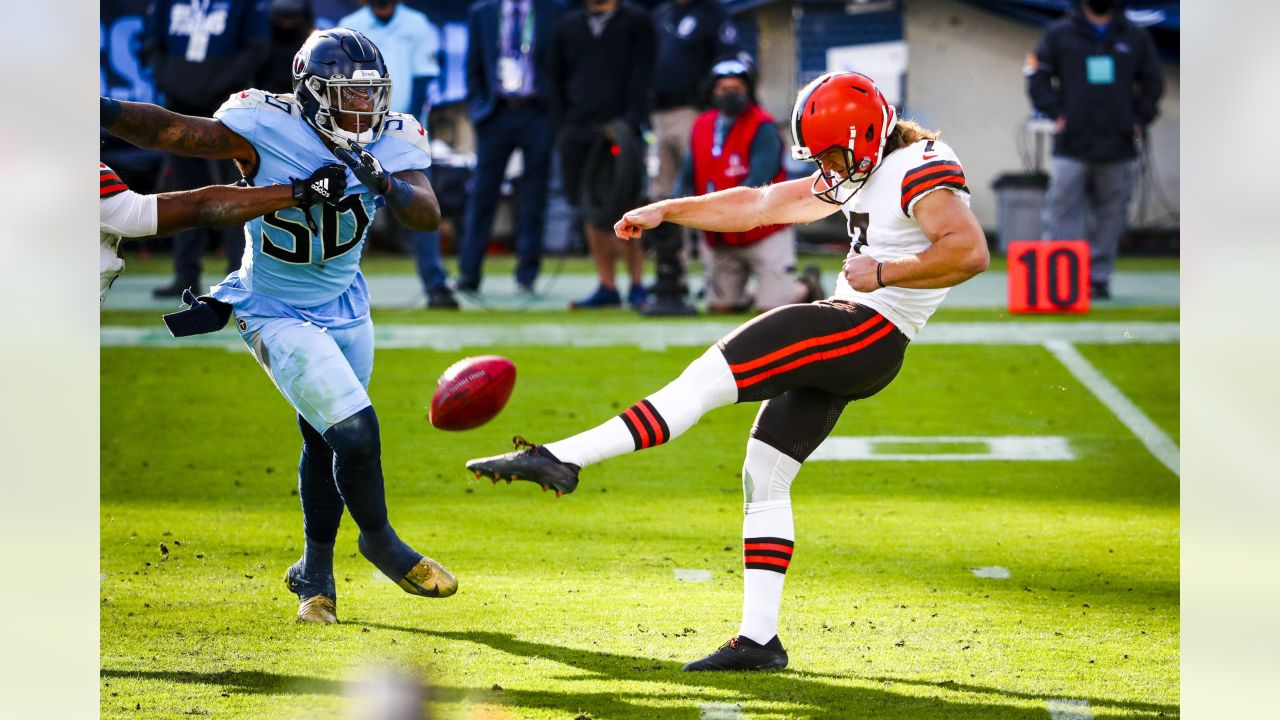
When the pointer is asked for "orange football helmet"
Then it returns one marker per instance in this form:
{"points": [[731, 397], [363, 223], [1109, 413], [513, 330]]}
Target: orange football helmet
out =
{"points": [[841, 112]]}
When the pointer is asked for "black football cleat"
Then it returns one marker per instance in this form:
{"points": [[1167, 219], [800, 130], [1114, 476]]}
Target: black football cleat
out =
{"points": [[742, 653], [528, 462]]}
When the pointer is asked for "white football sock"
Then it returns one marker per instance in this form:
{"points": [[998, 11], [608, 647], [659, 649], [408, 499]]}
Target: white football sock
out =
{"points": [[768, 537], [706, 384]]}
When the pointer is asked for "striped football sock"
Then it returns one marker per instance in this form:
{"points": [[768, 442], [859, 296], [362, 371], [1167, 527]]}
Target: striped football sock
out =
{"points": [[768, 537], [705, 384], [767, 544]]}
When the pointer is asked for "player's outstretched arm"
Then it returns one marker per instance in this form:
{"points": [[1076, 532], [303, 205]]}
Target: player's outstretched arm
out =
{"points": [[218, 206], [734, 210], [223, 205], [155, 128], [958, 250]]}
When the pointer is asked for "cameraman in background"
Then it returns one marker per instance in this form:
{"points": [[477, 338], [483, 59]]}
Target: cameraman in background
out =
{"points": [[736, 143]]}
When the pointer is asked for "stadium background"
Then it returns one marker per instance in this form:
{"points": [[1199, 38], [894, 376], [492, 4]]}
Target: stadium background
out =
{"points": [[939, 51], [1232, 232]]}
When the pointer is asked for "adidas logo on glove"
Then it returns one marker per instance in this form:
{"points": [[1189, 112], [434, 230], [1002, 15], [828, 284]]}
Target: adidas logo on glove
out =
{"points": [[321, 187]]}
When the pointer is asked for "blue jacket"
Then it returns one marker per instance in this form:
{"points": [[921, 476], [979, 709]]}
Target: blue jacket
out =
{"points": [[483, 84]]}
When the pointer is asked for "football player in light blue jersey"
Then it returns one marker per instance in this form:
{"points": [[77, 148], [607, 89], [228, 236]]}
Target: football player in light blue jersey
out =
{"points": [[299, 299]]}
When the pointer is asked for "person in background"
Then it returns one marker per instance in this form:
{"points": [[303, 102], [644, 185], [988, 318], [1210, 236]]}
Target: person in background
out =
{"points": [[410, 44], [328, 12], [691, 35], [736, 143], [507, 80], [201, 52], [291, 22], [1099, 77], [600, 64]]}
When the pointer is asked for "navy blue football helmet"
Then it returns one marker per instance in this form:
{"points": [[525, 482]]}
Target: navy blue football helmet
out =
{"points": [[342, 84]]}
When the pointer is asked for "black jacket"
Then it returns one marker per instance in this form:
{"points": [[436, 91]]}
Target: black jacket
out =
{"points": [[1101, 116], [690, 38], [598, 79]]}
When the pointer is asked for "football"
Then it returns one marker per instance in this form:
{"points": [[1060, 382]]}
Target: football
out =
{"points": [[472, 392]]}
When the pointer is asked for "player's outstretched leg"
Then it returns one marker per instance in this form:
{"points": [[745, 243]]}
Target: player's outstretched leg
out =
{"points": [[357, 468], [311, 578], [707, 383]]}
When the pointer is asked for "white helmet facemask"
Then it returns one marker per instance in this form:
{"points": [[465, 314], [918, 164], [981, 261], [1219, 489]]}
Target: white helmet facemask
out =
{"points": [[363, 101]]}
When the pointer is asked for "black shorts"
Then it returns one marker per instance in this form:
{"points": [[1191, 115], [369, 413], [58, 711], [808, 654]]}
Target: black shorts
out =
{"points": [[807, 362]]}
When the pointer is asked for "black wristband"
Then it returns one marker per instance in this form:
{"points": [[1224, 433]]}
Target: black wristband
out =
{"points": [[299, 191], [109, 110], [879, 281]]}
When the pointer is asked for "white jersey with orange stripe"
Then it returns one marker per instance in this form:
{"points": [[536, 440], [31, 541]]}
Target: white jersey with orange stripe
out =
{"points": [[121, 213], [881, 225]]}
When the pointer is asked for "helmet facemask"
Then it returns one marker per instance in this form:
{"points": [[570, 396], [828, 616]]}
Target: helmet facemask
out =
{"points": [[833, 186], [360, 104]]}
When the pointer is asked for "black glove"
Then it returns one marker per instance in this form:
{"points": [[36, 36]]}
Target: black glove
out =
{"points": [[366, 167], [326, 185]]}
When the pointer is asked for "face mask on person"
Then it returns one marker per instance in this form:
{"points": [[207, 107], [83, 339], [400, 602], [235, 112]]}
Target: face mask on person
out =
{"points": [[1100, 7], [731, 103]]}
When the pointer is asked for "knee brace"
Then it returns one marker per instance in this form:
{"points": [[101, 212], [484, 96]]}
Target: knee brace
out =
{"points": [[767, 474], [356, 438]]}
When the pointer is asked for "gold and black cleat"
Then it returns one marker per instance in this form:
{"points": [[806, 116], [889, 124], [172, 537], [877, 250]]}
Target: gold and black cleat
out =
{"points": [[318, 610], [429, 579], [533, 463]]}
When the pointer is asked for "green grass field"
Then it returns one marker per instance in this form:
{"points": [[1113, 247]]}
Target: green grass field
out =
{"points": [[569, 608]]}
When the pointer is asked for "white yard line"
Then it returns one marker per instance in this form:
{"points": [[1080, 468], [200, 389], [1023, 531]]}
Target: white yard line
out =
{"points": [[1067, 709], [1000, 447], [693, 575], [720, 711], [994, 572], [659, 335], [1160, 445]]}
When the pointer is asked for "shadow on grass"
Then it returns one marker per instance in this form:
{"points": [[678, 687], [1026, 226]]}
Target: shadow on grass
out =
{"points": [[249, 682], [806, 695], [1095, 704], [801, 694]]}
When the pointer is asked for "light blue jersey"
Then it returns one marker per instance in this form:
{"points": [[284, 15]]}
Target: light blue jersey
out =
{"points": [[287, 269]]}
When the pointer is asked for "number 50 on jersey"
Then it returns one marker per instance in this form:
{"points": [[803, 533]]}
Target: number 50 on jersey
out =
{"points": [[1050, 276]]}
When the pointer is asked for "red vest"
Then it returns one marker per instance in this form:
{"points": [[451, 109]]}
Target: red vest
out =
{"points": [[729, 169]]}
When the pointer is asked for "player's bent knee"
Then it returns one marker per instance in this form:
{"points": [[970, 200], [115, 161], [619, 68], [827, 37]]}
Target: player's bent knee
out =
{"points": [[767, 474], [355, 437]]}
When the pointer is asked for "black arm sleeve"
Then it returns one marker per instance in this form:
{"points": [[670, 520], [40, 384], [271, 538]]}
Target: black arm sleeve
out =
{"points": [[1040, 83]]}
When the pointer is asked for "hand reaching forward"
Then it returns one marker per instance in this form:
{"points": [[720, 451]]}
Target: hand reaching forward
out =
{"points": [[637, 221]]}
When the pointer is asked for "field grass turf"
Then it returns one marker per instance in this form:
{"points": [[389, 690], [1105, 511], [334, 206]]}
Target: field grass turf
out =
{"points": [[569, 608]]}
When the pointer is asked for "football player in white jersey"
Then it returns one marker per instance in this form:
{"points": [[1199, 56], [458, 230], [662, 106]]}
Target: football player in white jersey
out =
{"points": [[299, 299], [124, 213], [912, 237]]}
